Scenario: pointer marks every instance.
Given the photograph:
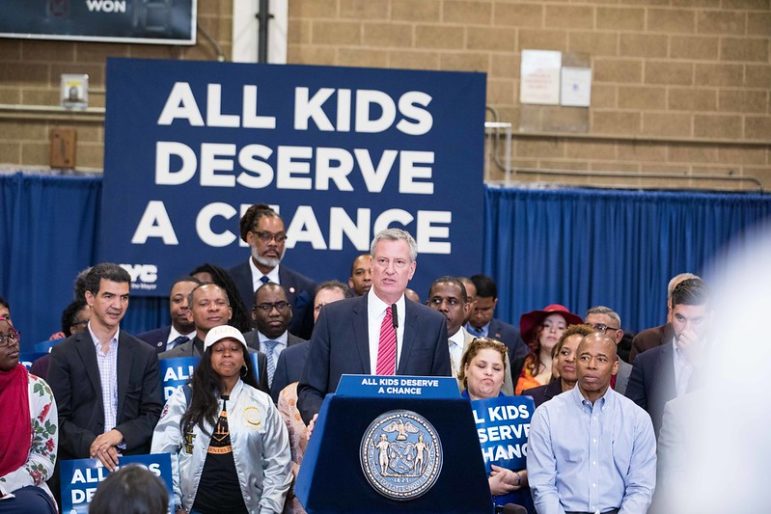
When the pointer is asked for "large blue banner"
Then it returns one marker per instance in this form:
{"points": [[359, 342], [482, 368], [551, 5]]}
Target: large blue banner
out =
{"points": [[341, 152]]}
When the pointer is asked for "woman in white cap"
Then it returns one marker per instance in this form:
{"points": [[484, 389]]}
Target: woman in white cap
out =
{"points": [[229, 445]]}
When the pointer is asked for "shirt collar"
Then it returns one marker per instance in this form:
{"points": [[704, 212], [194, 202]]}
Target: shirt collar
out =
{"points": [[95, 340], [376, 307], [173, 334], [603, 401], [282, 339], [257, 274], [459, 337]]}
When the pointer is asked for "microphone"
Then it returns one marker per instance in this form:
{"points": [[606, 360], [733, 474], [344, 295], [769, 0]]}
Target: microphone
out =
{"points": [[394, 316]]}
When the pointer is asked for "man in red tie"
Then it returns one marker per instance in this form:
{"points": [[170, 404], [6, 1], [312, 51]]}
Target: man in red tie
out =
{"points": [[377, 333]]}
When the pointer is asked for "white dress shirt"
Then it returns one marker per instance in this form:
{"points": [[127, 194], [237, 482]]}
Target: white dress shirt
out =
{"points": [[257, 275], [376, 310], [108, 376]]}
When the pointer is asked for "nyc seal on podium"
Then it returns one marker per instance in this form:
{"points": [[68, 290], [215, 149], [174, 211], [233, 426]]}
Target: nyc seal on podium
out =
{"points": [[401, 455]]}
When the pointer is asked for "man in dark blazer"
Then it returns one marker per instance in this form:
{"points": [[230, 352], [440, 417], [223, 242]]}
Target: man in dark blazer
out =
{"points": [[482, 324], [105, 381], [656, 336], [664, 372], [182, 328], [263, 229], [271, 316], [356, 335]]}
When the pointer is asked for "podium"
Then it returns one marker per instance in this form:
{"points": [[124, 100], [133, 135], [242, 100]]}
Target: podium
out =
{"points": [[394, 444]]}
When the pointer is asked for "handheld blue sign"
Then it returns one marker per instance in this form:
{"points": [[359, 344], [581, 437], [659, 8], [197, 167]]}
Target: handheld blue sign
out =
{"points": [[27, 358], [503, 425], [81, 477], [175, 373]]}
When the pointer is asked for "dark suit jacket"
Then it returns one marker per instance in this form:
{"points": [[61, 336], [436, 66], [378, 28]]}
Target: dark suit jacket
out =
{"points": [[289, 367], [194, 348], [156, 338], [340, 344], [544, 393], [652, 382], [508, 335], [299, 292], [650, 338], [73, 375]]}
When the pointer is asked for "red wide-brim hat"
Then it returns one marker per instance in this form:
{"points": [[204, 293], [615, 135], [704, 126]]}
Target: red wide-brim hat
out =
{"points": [[530, 321]]}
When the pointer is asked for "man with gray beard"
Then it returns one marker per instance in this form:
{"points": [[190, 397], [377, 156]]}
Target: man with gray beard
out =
{"points": [[263, 230]]}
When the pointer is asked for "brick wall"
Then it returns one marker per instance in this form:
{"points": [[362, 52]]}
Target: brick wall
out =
{"points": [[680, 89], [30, 76]]}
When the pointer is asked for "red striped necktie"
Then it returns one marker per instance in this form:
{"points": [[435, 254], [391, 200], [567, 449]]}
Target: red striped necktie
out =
{"points": [[386, 347]]}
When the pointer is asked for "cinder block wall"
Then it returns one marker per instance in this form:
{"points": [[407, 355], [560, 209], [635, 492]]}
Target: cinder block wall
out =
{"points": [[680, 89]]}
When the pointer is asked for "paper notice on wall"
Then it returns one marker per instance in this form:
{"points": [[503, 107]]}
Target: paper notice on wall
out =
{"points": [[576, 87], [540, 82]]}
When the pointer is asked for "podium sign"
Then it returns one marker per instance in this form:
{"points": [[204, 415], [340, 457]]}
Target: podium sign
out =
{"points": [[394, 444]]}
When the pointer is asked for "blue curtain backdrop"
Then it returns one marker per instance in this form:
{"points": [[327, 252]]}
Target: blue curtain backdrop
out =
{"points": [[578, 247], [48, 233], [585, 247]]}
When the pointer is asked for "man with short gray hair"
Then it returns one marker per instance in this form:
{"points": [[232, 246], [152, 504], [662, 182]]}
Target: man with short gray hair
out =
{"points": [[379, 333]]}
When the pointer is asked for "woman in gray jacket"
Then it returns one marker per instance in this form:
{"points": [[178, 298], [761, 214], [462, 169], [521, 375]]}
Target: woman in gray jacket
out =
{"points": [[229, 445]]}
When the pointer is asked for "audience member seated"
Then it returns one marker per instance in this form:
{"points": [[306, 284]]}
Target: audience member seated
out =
{"points": [[106, 381], [564, 365], [28, 433], [210, 273], [75, 318], [209, 308], [605, 319], [482, 374], [361, 274], [591, 449], [263, 230], [656, 336], [130, 490], [482, 324], [542, 330], [447, 295], [272, 315], [224, 433], [664, 372], [182, 328]]}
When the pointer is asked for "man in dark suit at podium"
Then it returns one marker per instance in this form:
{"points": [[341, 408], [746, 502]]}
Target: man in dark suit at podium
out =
{"points": [[378, 333], [263, 229]]}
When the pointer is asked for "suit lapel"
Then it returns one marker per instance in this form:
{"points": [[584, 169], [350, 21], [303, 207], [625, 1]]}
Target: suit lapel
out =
{"points": [[410, 332], [288, 283], [87, 352], [125, 357], [361, 333], [667, 365]]}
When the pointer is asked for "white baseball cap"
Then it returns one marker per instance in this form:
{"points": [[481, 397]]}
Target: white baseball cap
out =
{"points": [[221, 332]]}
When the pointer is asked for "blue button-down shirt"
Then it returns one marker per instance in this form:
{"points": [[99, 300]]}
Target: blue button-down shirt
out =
{"points": [[591, 457]]}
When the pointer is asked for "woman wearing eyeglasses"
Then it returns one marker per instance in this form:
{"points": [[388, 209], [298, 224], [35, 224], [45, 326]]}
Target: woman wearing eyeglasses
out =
{"points": [[29, 432], [231, 445], [564, 359], [541, 330]]}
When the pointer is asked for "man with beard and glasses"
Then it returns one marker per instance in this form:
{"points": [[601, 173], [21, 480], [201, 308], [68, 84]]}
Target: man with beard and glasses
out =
{"points": [[263, 229]]}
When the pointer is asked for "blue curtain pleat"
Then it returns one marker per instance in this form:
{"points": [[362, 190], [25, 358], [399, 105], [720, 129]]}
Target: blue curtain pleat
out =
{"points": [[578, 247], [585, 247]]}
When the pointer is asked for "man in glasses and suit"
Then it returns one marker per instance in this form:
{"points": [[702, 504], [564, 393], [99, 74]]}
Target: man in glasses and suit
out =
{"points": [[263, 229]]}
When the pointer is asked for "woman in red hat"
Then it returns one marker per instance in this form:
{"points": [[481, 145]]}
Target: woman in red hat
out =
{"points": [[541, 330]]}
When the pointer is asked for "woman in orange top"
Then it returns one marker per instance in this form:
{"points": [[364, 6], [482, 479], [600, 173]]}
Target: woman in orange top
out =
{"points": [[541, 330]]}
